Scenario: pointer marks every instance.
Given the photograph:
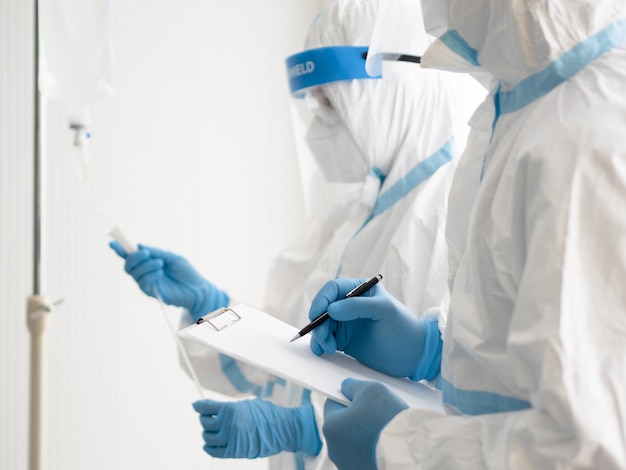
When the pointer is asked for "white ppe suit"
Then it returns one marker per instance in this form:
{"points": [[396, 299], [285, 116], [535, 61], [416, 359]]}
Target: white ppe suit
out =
{"points": [[393, 222], [534, 355]]}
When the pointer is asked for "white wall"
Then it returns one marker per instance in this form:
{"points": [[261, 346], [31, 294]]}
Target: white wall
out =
{"points": [[193, 153]]}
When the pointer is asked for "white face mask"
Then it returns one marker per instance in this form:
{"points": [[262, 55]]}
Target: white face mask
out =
{"points": [[435, 14], [339, 158]]}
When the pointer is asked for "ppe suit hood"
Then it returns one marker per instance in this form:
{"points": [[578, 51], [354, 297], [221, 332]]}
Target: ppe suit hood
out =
{"points": [[368, 105], [516, 38]]}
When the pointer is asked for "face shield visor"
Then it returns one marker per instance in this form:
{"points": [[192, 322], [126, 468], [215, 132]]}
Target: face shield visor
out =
{"points": [[332, 165]]}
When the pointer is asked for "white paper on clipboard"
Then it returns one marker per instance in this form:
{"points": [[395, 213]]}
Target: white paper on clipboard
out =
{"points": [[262, 340]]}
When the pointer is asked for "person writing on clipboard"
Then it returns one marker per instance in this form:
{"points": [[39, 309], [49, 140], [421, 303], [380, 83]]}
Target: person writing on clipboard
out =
{"points": [[533, 359], [385, 152]]}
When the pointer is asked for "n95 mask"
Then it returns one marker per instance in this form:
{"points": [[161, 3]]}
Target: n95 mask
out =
{"points": [[338, 156]]}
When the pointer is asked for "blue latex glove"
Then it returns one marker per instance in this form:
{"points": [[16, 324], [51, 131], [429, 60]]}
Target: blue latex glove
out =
{"points": [[352, 431], [177, 281], [256, 428], [377, 330]]}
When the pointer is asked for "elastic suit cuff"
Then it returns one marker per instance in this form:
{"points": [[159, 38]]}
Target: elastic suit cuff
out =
{"points": [[430, 365]]}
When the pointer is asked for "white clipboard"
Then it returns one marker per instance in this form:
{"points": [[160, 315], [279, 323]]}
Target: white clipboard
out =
{"points": [[254, 337]]}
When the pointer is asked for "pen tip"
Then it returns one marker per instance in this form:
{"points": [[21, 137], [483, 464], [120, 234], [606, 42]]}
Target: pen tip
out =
{"points": [[294, 338]]}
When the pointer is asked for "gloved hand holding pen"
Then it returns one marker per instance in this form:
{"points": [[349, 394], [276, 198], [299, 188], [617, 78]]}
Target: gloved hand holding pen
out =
{"points": [[177, 281], [377, 330]]}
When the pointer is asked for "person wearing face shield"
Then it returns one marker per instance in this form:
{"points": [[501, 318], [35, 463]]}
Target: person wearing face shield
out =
{"points": [[377, 158], [532, 366]]}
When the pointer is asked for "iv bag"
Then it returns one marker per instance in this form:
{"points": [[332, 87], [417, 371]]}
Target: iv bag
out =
{"points": [[76, 54]]}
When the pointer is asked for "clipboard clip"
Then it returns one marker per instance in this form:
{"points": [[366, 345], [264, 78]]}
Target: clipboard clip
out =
{"points": [[217, 320]]}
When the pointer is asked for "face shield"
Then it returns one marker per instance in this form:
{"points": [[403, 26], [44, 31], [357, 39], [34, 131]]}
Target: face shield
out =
{"points": [[337, 154], [331, 162]]}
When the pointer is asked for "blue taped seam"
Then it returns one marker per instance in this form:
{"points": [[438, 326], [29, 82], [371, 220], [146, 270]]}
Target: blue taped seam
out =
{"points": [[416, 176], [401, 188], [560, 70], [565, 67], [306, 397], [475, 402], [460, 47], [496, 100], [378, 173], [299, 457], [430, 364]]}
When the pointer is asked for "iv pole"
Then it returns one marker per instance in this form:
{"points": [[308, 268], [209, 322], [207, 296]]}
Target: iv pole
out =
{"points": [[39, 307]]}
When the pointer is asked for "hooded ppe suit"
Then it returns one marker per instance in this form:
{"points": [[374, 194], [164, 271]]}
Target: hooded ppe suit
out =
{"points": [[534, 355], [409, 129], [392, 223]]}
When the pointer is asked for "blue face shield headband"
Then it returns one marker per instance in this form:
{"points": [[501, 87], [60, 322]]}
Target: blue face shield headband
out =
{"points": [[330, 64]]}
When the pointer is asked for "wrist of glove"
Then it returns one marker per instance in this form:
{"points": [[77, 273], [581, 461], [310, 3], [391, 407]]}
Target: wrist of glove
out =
{"points": [[375, 329], [429, 366], [256, 428]]}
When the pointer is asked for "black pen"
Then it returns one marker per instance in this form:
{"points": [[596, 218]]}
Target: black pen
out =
{"points": [[358, 290]]}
